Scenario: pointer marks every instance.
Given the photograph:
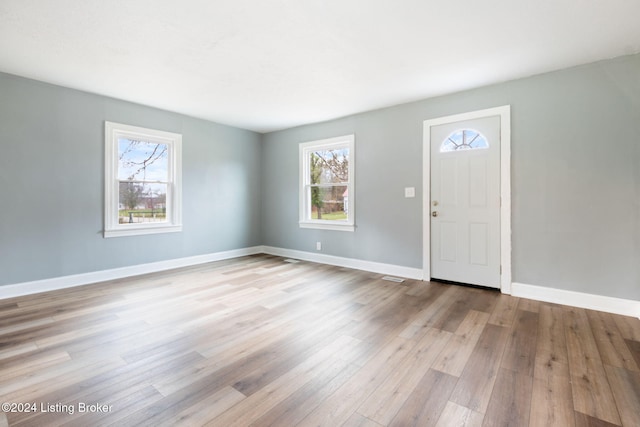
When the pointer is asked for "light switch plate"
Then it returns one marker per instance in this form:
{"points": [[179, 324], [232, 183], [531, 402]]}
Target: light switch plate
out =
{"points": [[409, 192]]}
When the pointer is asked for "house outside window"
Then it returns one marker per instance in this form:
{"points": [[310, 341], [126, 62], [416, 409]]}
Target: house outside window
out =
{"points": [[327, 184]]}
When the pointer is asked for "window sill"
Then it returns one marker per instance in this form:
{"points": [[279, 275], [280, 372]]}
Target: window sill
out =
{"points": [[327, 225], [121, 232]]}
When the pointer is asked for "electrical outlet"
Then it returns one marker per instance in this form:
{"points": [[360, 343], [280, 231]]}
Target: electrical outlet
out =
{"points": [[318, 246]]}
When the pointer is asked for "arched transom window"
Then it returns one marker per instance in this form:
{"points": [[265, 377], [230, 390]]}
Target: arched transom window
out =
{"points": [[465, 139]]}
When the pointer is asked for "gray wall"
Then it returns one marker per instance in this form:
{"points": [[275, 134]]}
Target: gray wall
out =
{"points": [[575, 179], [52, 184]]}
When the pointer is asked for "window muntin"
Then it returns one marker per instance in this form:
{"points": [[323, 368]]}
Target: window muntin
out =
{"points": [[464, 139], [142, 182], [326, 184]]}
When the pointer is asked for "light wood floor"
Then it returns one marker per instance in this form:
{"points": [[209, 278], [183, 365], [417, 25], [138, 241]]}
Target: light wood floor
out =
{"points": [[260, 341]]}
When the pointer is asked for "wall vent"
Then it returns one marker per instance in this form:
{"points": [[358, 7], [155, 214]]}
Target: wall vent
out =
{"points": [[393, 279]]}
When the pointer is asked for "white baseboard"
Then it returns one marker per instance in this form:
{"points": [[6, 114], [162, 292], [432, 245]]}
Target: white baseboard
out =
{"points": [[540, 293], [621, 306], [37, 286], [374, 267], [45, 285]]}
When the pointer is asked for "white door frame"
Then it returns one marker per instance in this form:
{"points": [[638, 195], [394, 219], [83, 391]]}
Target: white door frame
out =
{"points": [[505, 188]]}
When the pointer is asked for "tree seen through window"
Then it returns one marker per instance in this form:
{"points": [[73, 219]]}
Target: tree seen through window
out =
{"points": [[143, 180], [329, 175]]}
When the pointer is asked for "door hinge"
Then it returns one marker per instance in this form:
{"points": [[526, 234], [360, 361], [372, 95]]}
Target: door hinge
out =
{"points": [[500, 270]]}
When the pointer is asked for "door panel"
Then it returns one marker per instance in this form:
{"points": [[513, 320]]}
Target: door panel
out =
{"points": [[478, 182], [465, 201], [478, 238], [449, 238], [448, 182]]}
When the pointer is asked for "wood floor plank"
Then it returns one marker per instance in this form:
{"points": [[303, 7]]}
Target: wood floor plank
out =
{"points": [[246, 352], [113, 386], [450, 319], [211, 375], [122, 406], [292, 410], [529, 305], [357, 420], [253, 407], [505, 311], [625, 385], [591, 391], [634, 349], [88, 329], [510, 403], [308, 346], [520, 350], [629, 327], [21, 326], [584, 420], [132, 343], [485, 300], [198, 389], [31, 389], [17, 349], [34, 361], [426, 316], [475, 385], [29, 386], [388, 294], [613, 350], [8, 304], [552, 398], [51, 333], [551, 343], [426, 403], [207, 409], [389, 320], [456, 415], [338, 407], [455, 355], [386, 400], [272, 322]]}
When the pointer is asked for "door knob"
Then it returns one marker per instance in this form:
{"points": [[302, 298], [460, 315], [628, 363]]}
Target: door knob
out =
{"points": [[434, 213]]}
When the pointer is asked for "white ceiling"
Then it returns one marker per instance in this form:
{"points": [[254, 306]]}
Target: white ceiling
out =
{"points": [[272, 64]]}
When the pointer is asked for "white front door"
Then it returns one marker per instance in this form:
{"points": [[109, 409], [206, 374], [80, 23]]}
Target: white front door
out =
{"points": [[465, 201]]}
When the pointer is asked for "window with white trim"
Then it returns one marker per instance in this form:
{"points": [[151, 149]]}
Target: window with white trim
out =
{"points": [[143, 192], [327, 184]]}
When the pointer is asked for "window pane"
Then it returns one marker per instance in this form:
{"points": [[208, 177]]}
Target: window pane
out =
{"points": [[464, 140], [329, 203], [329, 166], [141, 160], [142, 203]]}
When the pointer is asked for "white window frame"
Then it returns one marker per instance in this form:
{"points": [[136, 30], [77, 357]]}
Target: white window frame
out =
{"points": [[173, 223], [306, 148]]}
